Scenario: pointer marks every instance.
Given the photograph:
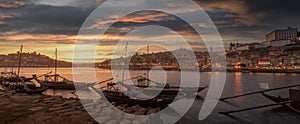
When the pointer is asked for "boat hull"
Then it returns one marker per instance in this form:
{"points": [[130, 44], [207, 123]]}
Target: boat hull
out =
{"points": [[172, 90], [283, 100], [161, 101]]}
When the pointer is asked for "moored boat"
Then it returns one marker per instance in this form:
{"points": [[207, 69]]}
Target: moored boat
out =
{"points": [[113, 94], [166, 89], [293, 102], [56, 81]]}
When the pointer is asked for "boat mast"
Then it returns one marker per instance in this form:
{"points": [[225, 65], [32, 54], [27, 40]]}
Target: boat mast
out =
{"points": [[12, 64], [55, 66], [123, 73], [20, 56], [148, 65]]}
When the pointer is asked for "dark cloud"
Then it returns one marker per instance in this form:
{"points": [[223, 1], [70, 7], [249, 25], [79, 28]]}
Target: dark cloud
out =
{"points": [[236, 20], [251, 19], [45, 19], [147, 18]]}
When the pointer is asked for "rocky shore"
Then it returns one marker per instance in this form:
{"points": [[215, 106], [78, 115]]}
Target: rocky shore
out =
{"points": [[17, 108]]}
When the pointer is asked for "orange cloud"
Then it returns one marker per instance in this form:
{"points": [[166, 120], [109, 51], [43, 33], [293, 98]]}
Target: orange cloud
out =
{"points": [[140, 17], [146, 17], [12, 3], [236, 6], [35, 37], [2, 17]]}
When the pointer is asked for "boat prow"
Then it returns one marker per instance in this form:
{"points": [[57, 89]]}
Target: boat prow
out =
{"points": [[286, 102]]}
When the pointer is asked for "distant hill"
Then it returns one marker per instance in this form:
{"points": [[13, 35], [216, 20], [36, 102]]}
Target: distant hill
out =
{"points": [[30, 60]]}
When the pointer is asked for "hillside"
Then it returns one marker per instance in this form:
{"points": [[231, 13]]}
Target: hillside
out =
{"points": [[30, 60]]}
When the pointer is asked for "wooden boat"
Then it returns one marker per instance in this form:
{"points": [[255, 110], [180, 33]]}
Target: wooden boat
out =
{"points": [[167, 89], [113, 94], [21, 83], [164, 90], [293, 102], [11, 77], [58, 82], [29, 87]]}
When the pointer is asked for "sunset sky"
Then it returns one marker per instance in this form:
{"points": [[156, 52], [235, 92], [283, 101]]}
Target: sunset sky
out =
{"points": [[43, 25]]}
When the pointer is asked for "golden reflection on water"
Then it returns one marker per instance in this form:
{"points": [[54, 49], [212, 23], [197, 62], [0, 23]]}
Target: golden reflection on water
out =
{"points": [[238, 88]]}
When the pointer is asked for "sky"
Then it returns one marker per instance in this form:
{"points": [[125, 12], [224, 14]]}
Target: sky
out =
{"points": [[43, 25]]}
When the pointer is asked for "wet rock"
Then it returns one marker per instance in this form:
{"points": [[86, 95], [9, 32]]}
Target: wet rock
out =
{"points": [[114, 103], [69, 102], [117, 115], [141, 120], [129, 110], [63, 111], [103, 119], [140, 112], [35, 109], [136, 108], [123, 105], [112, 122], [96, 112], [126, 121], [106, 111], [153, 110], [56, 108], [101, 105], [70, 113], [85, 101], [92, 105], [129, 116], [36, 101], [48, 99]]}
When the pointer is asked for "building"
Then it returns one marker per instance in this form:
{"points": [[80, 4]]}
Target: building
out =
{"points": [[282, 37], [249, 46]]}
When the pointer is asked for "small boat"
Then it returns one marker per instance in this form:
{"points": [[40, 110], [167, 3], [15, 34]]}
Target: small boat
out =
{"points": [[293, 102], [58, 82], [113, 94], [12, 77], [29, 87]]}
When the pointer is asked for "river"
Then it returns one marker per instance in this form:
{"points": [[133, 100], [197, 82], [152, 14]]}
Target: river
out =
{"points": [[236, 83]]}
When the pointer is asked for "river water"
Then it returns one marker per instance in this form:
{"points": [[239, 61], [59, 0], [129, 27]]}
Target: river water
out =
{"points": [[236, 83]]}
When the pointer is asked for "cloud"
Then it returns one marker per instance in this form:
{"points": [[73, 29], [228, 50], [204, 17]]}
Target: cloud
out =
{"points": [[72, 3], [41, 20], [44, 19], [12, 3], [4, 17]]}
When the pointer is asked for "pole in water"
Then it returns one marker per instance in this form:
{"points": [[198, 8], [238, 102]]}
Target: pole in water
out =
{"points": [[123, 72], [262, 91], [55, 64], [257, 107], [20, 57]]}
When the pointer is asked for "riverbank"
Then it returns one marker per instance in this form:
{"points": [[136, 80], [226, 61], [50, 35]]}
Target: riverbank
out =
{"points": [[16, 108]]}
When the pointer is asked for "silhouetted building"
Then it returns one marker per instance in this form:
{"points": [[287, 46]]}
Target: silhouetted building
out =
{"points": [[282, 37]]}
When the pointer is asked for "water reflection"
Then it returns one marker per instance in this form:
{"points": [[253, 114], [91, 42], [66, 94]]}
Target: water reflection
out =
{"points": [[238, 88]]}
